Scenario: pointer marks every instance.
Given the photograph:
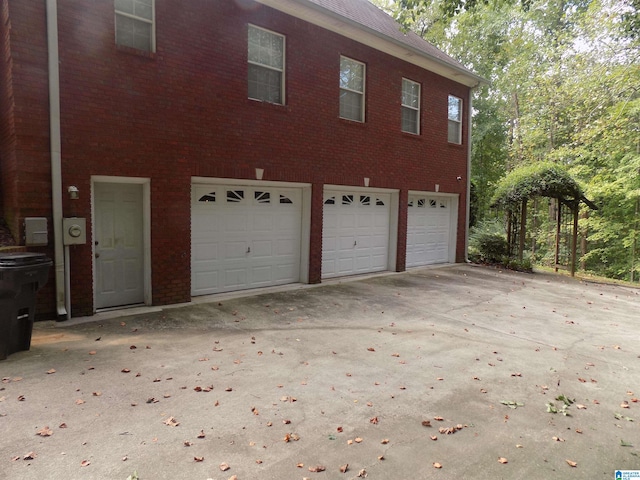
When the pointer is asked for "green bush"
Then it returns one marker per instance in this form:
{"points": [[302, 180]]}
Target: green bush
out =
{"points": [[488, 242]]}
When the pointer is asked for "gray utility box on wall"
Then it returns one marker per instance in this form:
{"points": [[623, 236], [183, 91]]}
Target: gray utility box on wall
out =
{"points": [[74, 231], [35, 231], [22, 274]]}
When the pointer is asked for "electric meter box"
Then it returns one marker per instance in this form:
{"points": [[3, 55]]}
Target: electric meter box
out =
{"points": [[74, 231], [36, 233]]}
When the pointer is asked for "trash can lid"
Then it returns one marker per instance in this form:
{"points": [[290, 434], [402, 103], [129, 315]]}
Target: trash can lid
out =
{"points": [[23, 259]]}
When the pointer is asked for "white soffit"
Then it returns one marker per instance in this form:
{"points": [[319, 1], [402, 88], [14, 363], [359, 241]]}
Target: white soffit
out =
{"points": [[336, 23]]}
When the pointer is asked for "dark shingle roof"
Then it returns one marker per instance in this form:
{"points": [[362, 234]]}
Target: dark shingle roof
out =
{"points": [[372, 18]]}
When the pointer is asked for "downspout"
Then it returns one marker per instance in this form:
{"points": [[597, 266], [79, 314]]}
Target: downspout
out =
{"points": [[56, 157], [466, 232]]}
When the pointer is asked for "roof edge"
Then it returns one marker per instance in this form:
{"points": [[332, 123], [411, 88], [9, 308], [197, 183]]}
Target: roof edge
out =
{"points": [[325, 18]]}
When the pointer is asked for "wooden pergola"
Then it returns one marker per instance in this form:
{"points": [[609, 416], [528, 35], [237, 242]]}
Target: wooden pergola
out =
{"points": [[540, 180]]}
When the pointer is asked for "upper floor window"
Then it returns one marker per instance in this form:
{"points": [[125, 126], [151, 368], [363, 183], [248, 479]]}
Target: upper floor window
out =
{"points": [[134, 24], [455, 120], [410, 106], [352, 81], [266, 65]]}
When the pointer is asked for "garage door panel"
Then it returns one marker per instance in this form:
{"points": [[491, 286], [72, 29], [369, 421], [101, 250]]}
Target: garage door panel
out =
{"points": [[235, 278], [244, 237], [286, 247], [355, 237], [262, 250], [429, 222]]}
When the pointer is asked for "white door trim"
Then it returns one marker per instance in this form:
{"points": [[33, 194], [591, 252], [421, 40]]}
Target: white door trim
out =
{"points": [[453, 218], [305, 234], [146, 227]]}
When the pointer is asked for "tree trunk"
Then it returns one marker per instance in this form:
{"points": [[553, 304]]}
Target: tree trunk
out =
{"points": [[583, 241], [558, 224], [523, 226]]}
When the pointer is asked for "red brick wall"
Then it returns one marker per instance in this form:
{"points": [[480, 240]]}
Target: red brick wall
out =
{"points": [[184, 111]]}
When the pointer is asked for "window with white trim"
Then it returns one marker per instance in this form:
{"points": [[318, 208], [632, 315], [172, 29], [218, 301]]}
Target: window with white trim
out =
{"points": [[266, 65], [410, 106], [352, 82], [134, 24], [455, 120]]}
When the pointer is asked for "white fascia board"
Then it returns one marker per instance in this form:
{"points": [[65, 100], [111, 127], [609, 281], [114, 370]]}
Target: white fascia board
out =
{"points": [[328, 20]]}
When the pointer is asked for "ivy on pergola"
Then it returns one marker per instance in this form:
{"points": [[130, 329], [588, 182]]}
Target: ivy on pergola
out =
{"points": [[542, 179]]}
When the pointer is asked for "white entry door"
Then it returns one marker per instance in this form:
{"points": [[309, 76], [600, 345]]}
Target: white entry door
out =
{"points": [[119, 244], [355, 233], [429, 221], [244, 237]]}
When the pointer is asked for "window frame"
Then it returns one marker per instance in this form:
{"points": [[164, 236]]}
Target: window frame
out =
{"points": [[282, 71], [151, 21], [410, 107], [362, 93], [454, 121]]}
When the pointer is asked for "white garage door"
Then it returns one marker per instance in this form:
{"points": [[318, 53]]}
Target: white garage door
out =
{"points": [[355, 233], [244, 237], [428, 230]]}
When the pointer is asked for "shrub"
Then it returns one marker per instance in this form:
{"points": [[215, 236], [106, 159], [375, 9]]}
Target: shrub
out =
{"points": [[488, 242]]}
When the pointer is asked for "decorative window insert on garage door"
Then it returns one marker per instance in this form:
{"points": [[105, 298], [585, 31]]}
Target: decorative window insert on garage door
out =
{"points": [[431, 229], [244, 236], [355, 232]]}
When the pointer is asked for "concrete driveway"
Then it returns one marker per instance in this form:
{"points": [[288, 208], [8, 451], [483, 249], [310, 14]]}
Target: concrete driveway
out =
{"points": [[435, 373]]}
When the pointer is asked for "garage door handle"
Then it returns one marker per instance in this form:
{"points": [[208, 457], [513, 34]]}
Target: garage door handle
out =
{"points": [[355, 243], [248, 249]]}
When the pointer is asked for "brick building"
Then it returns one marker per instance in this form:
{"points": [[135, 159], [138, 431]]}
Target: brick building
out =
{"points": [[206, 146]]}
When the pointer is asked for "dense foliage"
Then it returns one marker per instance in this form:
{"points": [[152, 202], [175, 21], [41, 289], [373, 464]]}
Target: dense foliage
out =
{"points": [[541, 179], [564, 88]]}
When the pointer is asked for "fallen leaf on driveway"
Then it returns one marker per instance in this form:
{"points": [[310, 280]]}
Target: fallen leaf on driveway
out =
{"points": [[198, 459], [344, 468], [224, 466], [172, 422], [503, 460], [426, 423], [45, 432], [79, 401], [53, 370], [201, 434], [85, 463], [437, 465], [317, 468], [571, 463], [371, 349], [362, 473]]}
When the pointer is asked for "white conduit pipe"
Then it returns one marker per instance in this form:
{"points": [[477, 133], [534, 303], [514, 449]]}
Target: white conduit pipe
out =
{"points": [[56, 157]]}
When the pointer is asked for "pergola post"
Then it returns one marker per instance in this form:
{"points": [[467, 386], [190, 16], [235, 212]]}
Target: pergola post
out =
{"points": [[574, 244]]}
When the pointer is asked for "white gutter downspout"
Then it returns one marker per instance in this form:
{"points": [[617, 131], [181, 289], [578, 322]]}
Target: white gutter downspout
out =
{"points": [[56, 156]]}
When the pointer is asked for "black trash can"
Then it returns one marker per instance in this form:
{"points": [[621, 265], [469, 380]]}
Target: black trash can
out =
{"points": [[22, 274]]}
